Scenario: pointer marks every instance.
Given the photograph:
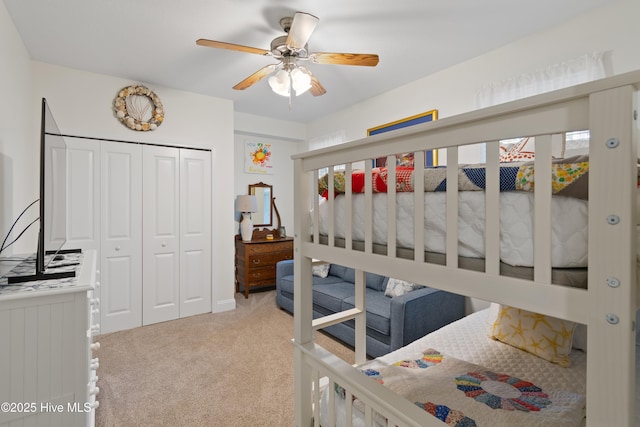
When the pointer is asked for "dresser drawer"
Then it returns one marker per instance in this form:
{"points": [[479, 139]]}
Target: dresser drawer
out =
{"points": [[256, 274], [256, 261], [269, 247], [270, 259]]}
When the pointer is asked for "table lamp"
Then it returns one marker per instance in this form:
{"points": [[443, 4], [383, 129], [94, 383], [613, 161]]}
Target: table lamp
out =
{"points": [[246, 205]]}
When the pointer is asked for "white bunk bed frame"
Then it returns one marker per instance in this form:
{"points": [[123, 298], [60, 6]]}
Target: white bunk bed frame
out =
{"points": [[605, 107]]}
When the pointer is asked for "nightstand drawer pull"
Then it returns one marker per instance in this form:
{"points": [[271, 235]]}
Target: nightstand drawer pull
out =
{"points": [[257, 261]]}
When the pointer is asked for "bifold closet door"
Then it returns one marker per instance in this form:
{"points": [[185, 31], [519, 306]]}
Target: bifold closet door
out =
{"points": [[161, 234], [121, 236], [55, 192], [176, 233], [83, 194], [195, 232]]}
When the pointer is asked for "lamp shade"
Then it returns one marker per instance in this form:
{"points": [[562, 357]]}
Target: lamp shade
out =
{"points": [[246, 204]]}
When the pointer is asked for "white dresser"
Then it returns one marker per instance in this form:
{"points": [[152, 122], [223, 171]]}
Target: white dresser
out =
{"points": [[47, 366]]}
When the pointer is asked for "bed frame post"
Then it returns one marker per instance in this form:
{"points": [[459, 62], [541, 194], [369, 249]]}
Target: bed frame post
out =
{"points": [[360, 340], [612, 259], [302, 297]]}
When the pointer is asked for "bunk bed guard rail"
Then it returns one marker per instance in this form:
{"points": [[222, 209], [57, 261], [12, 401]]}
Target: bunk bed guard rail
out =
{"points": [[607, 109]]}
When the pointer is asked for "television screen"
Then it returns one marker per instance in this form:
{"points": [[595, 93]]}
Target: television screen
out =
{"points": [[53, 203], [55, 187]]}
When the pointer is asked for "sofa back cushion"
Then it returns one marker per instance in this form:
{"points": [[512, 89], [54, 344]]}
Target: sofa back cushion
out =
{"points": [[338, 270], [374, 281]]}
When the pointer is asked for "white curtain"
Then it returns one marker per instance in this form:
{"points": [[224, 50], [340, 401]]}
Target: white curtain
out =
{"points": [[575, 71], [582, 69], [327, 140]]}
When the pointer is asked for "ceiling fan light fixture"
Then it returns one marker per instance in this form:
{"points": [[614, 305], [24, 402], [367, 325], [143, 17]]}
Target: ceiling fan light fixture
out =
{"points": [[288, 49], [300, 80], [280, 83]]}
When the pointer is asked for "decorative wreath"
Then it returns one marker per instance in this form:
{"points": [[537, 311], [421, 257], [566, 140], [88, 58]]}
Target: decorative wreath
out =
{"points": [[135, 115]]}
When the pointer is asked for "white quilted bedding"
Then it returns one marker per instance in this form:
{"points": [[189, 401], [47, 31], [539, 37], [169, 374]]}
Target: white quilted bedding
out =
{"points": [[467, 340], [568, 234]]}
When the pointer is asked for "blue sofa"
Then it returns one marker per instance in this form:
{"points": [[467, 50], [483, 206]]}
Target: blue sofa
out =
{"points": [[391, 322]]}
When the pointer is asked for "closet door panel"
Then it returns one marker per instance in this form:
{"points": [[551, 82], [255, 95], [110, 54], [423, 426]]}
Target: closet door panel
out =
{"points": [[55, 188], [195, 228], [83, 195], [161, 234], [121, 236]]}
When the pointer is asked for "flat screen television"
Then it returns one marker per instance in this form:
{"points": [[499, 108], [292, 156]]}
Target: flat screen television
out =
{"points": [[53, 204]]}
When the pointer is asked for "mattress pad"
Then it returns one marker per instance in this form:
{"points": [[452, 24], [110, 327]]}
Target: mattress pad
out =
{"points": [[468, 340], [568, 234]]}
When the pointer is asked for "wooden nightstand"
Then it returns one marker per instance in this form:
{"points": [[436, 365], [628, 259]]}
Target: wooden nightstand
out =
{"points": [[256, 261]]}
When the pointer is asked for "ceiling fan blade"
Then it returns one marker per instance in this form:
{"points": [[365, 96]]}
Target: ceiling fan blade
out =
{"points": [[365, 59], [316, 88], [231, 46], [255, 77], [301, 28]]}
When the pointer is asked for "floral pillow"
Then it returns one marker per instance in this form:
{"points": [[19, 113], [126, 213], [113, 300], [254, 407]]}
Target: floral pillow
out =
{"points": [[321, 270], [515, 152], [397, 287], [544, 336]]}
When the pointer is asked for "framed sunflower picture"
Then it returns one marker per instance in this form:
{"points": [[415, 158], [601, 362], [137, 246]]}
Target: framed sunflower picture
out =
{"points": [[406, 159], [257, 158]]}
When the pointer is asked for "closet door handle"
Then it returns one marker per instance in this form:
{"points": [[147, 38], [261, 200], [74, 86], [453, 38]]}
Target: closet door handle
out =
{"points": [[117, 248]]}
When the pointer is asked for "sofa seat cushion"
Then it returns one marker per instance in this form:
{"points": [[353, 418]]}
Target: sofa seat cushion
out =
{"points": [[286, 283], [331, 295], [378, 310]]}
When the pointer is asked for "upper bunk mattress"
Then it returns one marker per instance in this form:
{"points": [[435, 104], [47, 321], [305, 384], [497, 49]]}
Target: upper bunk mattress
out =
{"points": [[568, 230]]}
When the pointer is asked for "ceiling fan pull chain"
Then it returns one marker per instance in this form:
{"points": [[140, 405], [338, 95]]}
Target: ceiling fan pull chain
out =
{"points": [[290, 89]]}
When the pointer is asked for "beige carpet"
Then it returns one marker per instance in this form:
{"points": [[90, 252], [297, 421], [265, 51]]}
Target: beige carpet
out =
{"points": [[225, 369]]}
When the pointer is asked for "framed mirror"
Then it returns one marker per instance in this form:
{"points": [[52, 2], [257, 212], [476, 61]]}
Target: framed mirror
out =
{"points": [[263, 217]]}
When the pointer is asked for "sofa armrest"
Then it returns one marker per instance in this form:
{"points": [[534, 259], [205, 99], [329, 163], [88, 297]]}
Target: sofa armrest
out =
{"points": [[283, 268], [417, 313]]}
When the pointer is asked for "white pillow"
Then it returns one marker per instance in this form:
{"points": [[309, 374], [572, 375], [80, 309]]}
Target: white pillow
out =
{"points": [[580, 337], [397, 287], [321, 270]]}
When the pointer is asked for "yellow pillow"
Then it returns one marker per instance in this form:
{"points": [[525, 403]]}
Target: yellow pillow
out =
{"points": [[545, 336]]}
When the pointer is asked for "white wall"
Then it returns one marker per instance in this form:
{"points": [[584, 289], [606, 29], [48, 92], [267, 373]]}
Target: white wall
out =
{"points": [[82, 103], [286, 138], [18, 139], [613, 28], [281, 178]]}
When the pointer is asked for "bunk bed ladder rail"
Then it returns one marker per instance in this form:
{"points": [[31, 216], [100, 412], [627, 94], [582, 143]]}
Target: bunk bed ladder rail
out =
{"points": [[612, 258]]}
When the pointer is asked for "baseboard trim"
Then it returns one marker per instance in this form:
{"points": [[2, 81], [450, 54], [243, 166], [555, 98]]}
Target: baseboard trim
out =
{"points": [[224, 305]]}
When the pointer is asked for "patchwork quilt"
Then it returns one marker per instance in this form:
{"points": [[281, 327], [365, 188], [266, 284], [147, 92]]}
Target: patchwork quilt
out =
{"points": [[569, 178], [463, 394]]}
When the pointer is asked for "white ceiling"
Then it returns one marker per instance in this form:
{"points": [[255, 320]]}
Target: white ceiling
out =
{"points": [[153, 41]]}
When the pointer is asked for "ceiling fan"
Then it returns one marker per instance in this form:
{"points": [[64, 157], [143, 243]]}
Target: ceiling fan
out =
{"points": [[291, 49]]}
